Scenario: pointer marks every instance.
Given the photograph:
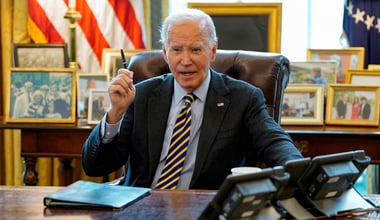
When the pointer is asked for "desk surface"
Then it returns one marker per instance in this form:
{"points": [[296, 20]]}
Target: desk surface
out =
{"points": [[27, 203]]}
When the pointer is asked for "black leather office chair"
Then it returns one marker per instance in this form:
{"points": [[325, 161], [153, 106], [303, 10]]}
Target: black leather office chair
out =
{"points": [[268, 71]]}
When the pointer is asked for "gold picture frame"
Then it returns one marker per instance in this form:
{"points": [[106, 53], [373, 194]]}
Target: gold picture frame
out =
{"points": [[44, 55], [374, 66], [363, 77], [86, 81], [348, 58], [261, 30], [345, 105], [111, 60], [40, 95], [303, 105]]}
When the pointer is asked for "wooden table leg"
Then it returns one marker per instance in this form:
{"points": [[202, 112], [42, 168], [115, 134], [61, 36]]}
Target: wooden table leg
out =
{"points": [[30, 174]]}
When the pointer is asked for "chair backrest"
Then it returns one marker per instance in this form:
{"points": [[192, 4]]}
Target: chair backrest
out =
{"points": [[268, 71]]}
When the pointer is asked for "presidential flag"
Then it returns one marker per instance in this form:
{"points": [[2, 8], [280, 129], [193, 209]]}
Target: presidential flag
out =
{"points": [[361, 26], [103, 24]]}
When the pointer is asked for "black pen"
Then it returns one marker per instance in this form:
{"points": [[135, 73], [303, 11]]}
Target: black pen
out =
{"points": [[123, 59]]}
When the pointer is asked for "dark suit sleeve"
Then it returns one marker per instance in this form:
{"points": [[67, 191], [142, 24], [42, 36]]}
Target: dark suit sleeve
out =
{"points": [[100, 159], [270, 143]]}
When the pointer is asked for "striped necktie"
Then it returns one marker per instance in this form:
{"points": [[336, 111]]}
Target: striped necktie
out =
{"points": [[178, 147]]}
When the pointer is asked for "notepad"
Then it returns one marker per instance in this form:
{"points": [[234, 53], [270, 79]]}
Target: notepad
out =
{"points": [[85, 194]]}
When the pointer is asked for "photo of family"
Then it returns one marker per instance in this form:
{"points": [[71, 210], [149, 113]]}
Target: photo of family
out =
{"points": [[352, 104]]}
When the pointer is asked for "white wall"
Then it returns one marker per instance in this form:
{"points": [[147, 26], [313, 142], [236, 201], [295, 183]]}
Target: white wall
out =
{"points": [[305, 24]]}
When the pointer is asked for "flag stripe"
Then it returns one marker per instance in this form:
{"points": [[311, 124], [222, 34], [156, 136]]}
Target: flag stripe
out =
{"points": [[91, 29], [125, 12], [41, 20], [103, 24]]}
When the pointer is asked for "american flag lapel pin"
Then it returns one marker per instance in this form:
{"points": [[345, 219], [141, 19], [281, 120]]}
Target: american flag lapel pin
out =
{"points": [[220, 104]]}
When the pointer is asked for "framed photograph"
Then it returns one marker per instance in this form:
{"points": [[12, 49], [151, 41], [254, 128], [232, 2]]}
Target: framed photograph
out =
{"points": [[349, 58], [85, 82], [303, 105], [40, 95], [352, 105], [261, 30], [111, 60], [40, 55], [374, 66], [363, 77], [98, 103], [321, 72]]}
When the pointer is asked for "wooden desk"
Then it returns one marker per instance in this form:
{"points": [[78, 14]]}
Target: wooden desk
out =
{"points": [[319, 140], [66, 142], [27, 203]]}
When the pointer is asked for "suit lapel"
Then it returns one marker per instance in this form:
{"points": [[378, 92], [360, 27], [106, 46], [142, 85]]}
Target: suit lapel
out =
{"points": [[159, 105], [215, 108]]}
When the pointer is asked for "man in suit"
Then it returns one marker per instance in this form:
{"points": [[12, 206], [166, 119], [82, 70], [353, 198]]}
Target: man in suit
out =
{"points": [[230, 125], [365, 108]]}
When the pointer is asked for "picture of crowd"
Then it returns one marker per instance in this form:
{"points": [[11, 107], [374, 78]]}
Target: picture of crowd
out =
{"points": [[31, 99], [351, 107]]}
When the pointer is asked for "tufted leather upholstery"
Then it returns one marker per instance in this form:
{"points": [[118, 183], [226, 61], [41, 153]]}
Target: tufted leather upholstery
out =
{"points": [[268, 71]]}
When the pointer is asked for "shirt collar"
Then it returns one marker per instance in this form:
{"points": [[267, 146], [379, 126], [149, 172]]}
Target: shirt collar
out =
{"points": [[200, 92]]}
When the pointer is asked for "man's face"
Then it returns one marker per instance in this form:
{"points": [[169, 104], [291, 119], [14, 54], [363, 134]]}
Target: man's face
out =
{"points": [[188, 55]]}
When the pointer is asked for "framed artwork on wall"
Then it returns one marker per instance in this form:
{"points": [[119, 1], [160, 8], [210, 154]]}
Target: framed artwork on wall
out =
{"points": [[261, 30], [40, 55], [41, 95], [303, 105], [352, 105], [349, 58]]}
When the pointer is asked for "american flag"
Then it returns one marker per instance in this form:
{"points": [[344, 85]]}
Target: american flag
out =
{"points": [[361, 25], [103, 24]]}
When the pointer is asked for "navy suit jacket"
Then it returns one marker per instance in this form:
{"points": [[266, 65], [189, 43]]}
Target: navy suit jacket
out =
{"points": [[238, 132]]}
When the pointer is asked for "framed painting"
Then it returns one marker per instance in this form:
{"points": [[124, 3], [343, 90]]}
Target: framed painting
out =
{"points": [[40, 55], [85, 82], [349, 58], [363, 77], [321, 72], [98, 103], [352, 105], [261, 30], [111, 60], [303, 105], [40, 95]]}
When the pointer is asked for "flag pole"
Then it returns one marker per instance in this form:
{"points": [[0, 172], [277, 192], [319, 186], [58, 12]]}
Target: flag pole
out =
{"points": [[72, 15]]}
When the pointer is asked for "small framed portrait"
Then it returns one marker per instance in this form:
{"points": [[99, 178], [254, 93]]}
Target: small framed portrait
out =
{"points": [[352, 105], [256, 25], [303, 105], [41, 95], [85, 82], [363, 77], [321, 72], [348, 58], [111, 60], [40, 55], [98, 103]]}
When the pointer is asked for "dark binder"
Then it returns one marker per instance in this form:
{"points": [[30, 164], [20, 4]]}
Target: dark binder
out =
{"points": [[85, 194]]}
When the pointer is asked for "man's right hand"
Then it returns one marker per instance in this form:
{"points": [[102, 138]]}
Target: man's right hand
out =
{"points": [[122, 93]]}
